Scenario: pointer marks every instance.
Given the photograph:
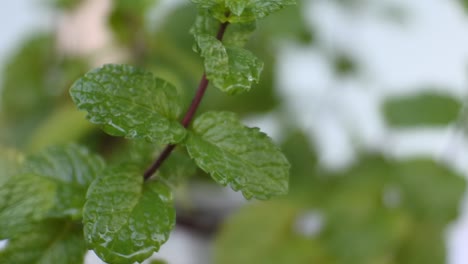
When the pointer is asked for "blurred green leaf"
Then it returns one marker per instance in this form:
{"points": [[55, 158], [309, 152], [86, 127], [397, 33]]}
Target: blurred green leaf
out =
{"points": [[49, 242], [128, 23], [289, 24], [64, 125], [24, 200], [22, 96], [430, 191], [425, 244], [72, 168], [125, 221], [35, 79], [265, 233], [304, 180], [243, 158], [158, 261], [130, 102], [426, 109]]}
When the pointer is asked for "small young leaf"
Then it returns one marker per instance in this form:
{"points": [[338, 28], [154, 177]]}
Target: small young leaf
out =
{"points": [[72, 168], [236, 34], [125, 221], [238, 11], [24, 199], [48, 242], [242, 157], [130, 102], [231, 69]]}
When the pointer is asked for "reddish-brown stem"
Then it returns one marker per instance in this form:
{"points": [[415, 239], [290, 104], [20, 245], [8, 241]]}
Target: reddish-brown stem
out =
{"points": [[188, 116]]}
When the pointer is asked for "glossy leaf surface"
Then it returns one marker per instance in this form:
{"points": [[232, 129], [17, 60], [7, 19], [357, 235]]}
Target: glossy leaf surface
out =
{"points": [[125, 221], [239, 156], [231, 69], [130, 102]]}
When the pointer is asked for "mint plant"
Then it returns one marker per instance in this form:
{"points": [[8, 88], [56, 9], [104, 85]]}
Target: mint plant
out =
{"points": [[126, 212]]}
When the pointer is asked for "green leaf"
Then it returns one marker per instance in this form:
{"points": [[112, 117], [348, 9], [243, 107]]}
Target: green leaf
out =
{"points": [[125, 221], [238, 11], [242, 157], [231, 69], [48, 242], [426, 109], [236, 34], [431, 191], [130, 102], [35, 80], [72, 168], [24, 200], [426, 244], [265, 234]]}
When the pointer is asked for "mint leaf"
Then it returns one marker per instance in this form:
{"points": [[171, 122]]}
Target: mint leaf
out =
{"points": [[236, 34], [24, 199], [231, 69], [72, 168], [238, 11], [242, 157], [125, 221], [244, 70], [130, 102], [48, 242]]}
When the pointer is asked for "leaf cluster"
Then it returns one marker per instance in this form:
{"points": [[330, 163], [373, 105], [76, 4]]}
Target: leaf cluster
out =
{"points": [[125, 218]]}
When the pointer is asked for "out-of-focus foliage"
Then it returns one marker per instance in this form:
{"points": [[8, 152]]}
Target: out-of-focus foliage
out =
{"points": [[124, 220], [66, 4], [379, 211], [424, 109], [35, 82]]}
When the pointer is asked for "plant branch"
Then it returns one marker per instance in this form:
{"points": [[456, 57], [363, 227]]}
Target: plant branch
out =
{"points": [[188, 116]]}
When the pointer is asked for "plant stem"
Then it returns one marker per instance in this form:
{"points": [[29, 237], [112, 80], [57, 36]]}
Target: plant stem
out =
{"points": [[188, 116]]}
